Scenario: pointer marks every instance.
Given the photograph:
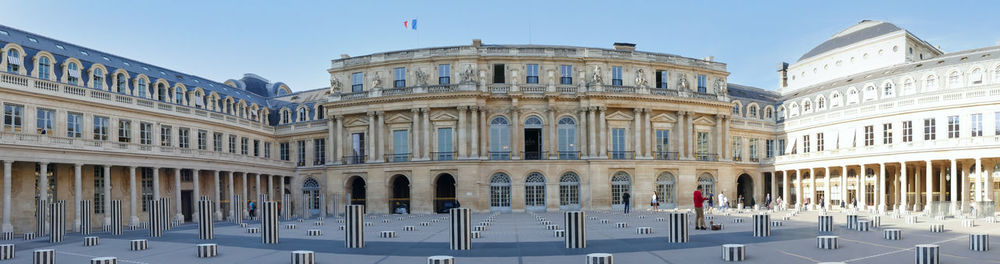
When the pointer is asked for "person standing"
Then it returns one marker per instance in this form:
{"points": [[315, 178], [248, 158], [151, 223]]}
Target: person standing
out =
{"points": [[625, 199], [699, 220], [723, 203], [250, 205], [654, 203], [767, 201]]}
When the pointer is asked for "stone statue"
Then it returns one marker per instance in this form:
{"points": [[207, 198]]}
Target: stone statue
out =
{"points": [[376, 81], [597, 76], [421, 77], [640, 78], [335, 85], [682, 82], [720, 87], [468, 75]]}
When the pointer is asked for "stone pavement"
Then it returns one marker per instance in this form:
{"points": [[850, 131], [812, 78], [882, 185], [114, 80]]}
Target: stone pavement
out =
{"points": [[521, 238]]}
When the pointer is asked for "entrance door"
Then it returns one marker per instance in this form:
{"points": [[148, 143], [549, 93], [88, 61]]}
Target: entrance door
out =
{"points": [[744, 188], [400, 200], [533, 138], [310, 189], [186, 209], [444, 193]]}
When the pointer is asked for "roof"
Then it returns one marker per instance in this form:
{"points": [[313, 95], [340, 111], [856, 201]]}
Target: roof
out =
{"points": [[866, 29], [752, 93]]}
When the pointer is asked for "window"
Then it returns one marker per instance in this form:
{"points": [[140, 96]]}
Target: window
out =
{"points": [[752, 111], [357, 82], [702, 82], [301, 152], [13, 117], [256, 148], [141, 88], [618, 143], [399, 77], [74, 125], [820, 145], [444, 74], [996, 123], [319, 151], [267, 150], [178, 96], [146, 178], [805, 144], [888, 90], [566, 129], [164, 135], [976, 77], [217, 142], [907, 131], [357, 148], [101, 127], [244, 146], [781, 147], [806, 107], [736, 110], [121, 83], [953, 80], [769, 148], [566, 74], [569, 189], [737, 148], [303, 114], [908, 88], [145, 133], [44, 123], [232, 144], [444, 144], [931, 83], [887, 133], [534, 191], [977, 125], [183, 136], [499, 138], [662, 144], [44, 68], [98, 79], [400, 145], [753, 149], [532, 74], [768, 113], [98, 190], [498, 73], [283, 150], [13, 61], [702, 146], [202, 140], [869, 135], [616, 75], [929, 129], [662, 80], [953, 127], [73, 73]]}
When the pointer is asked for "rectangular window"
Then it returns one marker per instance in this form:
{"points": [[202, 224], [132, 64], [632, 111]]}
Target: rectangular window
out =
{"points": [[737, 148], [820, 146], [146, 178], [13, 118], [357, 82], [399, 77], [101, 127], [618, 143], [145, 133], [907, 131], [444, 74], [702, 82], [267, 150], [244, 146], [977, 125], [45, 117], [124, 130], [616, 75], [663, 143], [753, 149], [202, 140], [319, 151], [164, 135], [217, 142], [301, 152], [566, 74], [781, 147], [400, 145], [662, 79], [869, 135], [953, 127], [283, 151], [256, 148], [532, 73], [498, 73], [805, 143], [769, 148], [74, 125], [232, 144], [98, 190], [187, 175], [183, 137], [930, 131], [996, 123], [702, 146], [444, 147], [357, 148], [887, 133]]}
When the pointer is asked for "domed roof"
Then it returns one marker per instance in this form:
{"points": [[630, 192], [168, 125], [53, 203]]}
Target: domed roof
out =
{"points": [[864, 30]]}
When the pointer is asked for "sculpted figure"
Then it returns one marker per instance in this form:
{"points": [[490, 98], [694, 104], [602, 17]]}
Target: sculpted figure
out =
{"points": [[421, 77], [376, 81], [335, 85], [597, 76], [720, 87], [469, 74], [640, 78], [682, 82]]}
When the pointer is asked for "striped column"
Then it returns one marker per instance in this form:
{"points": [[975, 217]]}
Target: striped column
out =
{"points": [[354, 236], [116, 217], [825, 223], [852, 221], [303, 257], [206, 227], [461, 227], [155, 210], [104, 260], [892, 234], [734, 252], [927, 254], [440, 260], [286, 214], [208, 250], [86, 207], [576, 229], [43, 256], [164, 214], [269, 222], [979, 242], [57, 221], [827, 242], [6, 251], [761, 225], [238, 206], [41, 210], [600, 258], [677, 228]]}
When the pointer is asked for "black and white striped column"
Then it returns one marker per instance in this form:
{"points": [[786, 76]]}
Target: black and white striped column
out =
{"points": [[761, 225], [440, 260], [979, 242], [104, 260], [354, 235], [116, 217], [303, 257], [43, 256], [164, 214], [937, 228], [600, 258], [852, 221], [734, 252], [825, 223], [576, 229], [286, 213], [876, 221], [863, 226], [892, 234], [827, 242], [208, 250], [677, 228], [6, 251], [138, 244], [57, 221], [927, 254], [238, 204], [156, 212], [206, 227], [86, 207], [269, 222], [41, 210], [461, 227], [91, 241]]}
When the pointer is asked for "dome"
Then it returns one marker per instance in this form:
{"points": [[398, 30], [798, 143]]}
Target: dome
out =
{"points": [[864, 30]]}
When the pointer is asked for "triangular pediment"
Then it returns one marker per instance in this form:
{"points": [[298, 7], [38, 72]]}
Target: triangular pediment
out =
{"points": [[357, 122], [619, 115], [399, 118], [704, 120], [443, 116], [664, 117]]}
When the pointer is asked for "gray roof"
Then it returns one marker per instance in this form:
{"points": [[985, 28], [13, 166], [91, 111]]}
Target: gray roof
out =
{"points": [[882, 28], [752, 93]]}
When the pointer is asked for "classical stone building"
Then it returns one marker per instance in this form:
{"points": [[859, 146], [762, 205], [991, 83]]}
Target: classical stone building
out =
{"points": [[505, 128]]}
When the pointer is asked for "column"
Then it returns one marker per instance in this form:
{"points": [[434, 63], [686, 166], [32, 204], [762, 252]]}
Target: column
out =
{"points": [[43, 179], [862, 202], [427, 133], [784, 188], [963, 187], [774, 185], [370, 138], [482, 137], [331, 142], [881, 186], [689, 130], [156, 184], [271, 192], [281, 189], [7, 226], [415, 134], [515, 126], [197, 194], [843, 186], [648, 131], [637, 138], [602, 144], [943, 183], [218, 195], [905, 188], [462, 154], [133, 205], [954, 186], [380, 152], [979, 181], [917, 188], [77, 196], [581, 132], [177, 195], [257, 189], [725, 135], [107, 193], [474, 136], [827, 188], [720, 137], [232, 205], [681, 153], [552, 142], [592, 131], [338, 149], [798, 188], [928, 193], [812, 188], [244, 193]]}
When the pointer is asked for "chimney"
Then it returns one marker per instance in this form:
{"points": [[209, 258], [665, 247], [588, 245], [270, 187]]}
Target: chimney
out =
{"points": [[622, 46], [477, 42], [344, 56], [709, 58], [783, 74]]}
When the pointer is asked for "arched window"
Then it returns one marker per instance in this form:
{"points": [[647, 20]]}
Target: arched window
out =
{"points": [[534, 192], [888, 90], [178, 95], [13, 61], [821, 103], [302, 114], [954, 80], [142, 88], [835, 100], [752, 111], [707, 183], [996, 75], [533, 122], [45, 68], [781, 113], [908, 87], [976, 77], [567, 138], [666, 191], [320, 113], [286, 116], [499, 138], [768, 113], [500, 192], [736, 109], [569, 191], [161, 93], [807, 107], [852, 96], [74, 73], [931, 83], [621, 183], [121, 83], [870, 93], [98, 79]]}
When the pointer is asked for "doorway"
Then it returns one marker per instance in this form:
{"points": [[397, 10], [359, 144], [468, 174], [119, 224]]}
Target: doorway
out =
{"points": [[533, 138], [186, 204], [399, 203], [358, 191], [310, 189], [444, 193], [744, 189]]}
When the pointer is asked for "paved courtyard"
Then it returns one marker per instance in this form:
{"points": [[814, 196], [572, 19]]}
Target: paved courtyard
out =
{"points": [[521, 238]]}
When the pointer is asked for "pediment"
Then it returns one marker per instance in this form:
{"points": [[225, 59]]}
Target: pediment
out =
{"points": [[704, 120], [357, 122], [399, 118], [619, 115], [664, 117], [443, 116]]}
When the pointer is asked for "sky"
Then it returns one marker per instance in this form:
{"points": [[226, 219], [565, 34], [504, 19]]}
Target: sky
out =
{"points": [[294, 41]]}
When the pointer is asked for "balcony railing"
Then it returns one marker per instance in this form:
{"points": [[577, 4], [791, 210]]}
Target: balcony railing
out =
{"points": [[665, 155], [707, 157], [621, 155], [398, 157], [449, 155], [533, 89], [442, 88], [569, 155], [499, 155], [499, 88], [354, 159], [621, 89], [534, 155]]}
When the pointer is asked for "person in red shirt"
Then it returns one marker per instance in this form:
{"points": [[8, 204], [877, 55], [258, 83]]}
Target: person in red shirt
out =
{"points": [[699, 220]]}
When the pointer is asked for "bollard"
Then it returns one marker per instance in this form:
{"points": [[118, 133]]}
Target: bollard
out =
{"points": [[733, 252], [303, 257], [138, 244], [208, 250], [43, 256], [387, 234], [57, 221], [460, 229], [760, 225], [852, 221], [677, 228], [927, 254], [600, 258], [90, 241], [6, 251], [892, 234], [354, 235], [979, 242], [206, 228], [937, 228], [827, 242]]}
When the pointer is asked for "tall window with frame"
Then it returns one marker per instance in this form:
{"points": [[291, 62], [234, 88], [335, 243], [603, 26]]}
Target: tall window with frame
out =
{"points": [[887, 133], [13, 61], [769, 148], [996, 122], [98, 79], [183, 137], [781, 147], [662, 145], [244, 146], [702, 83], [616, 75], [566, 74], [737, 148], [357, 82], [820, 145], [907, 131], [217, 142], [124, 130], [44, 68], [73, 73], [499, 73], [102, 126], [399, 77], [202, 140], [13, 118], [869, 135], [805, 144], [566, 129], [953, 127], [531, 70], [232, 144], [121, 83], [300, 152], [400, 145], [753, 149], [444, 74], [499, 138], [98, 190], [45, 117], [146, 178], [256, 147], [357, 148], [283, 151], [319, 151], [930, 130], [444, 144], [165, 135], [618, 143], [662, 80], [145, 133], [267, 150], [702, 146], [977, 125], [141, 88], [74, 125]]}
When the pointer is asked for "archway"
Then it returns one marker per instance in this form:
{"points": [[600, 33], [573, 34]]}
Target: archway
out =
{"points": [[311, 192], [533, 139], [534, 192], [621, 183], [744, 188], [569, 192], [707, 183], [357, 191], [666, 191], [444, 193], [500, 193], [400, 200]]}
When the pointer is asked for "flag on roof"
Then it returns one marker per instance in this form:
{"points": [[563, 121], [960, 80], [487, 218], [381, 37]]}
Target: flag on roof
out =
{"points": [[412, 24]]}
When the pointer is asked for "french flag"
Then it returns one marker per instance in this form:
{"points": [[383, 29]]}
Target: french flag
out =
{"points": [[410, 24]]}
